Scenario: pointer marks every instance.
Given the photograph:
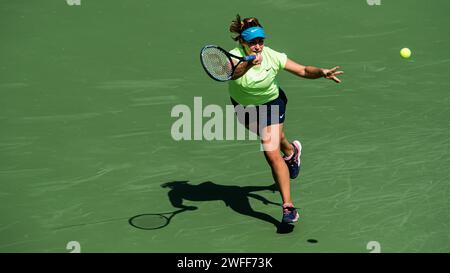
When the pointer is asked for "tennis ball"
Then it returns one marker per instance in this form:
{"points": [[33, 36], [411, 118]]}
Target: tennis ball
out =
{"points": [[405, 53]]}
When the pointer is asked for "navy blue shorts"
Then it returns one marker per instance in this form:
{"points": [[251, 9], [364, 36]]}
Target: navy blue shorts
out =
{"points": [[281, 101]]}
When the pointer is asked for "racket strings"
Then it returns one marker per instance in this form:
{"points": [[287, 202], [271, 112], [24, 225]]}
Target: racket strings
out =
{"points": [[217, 63]]}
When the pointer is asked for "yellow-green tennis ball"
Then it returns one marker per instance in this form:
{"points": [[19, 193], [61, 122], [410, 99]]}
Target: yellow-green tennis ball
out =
{"points": [[405, 53]]}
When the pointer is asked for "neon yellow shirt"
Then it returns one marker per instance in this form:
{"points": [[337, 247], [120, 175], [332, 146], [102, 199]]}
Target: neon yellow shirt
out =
{"points": [[259, 84]]}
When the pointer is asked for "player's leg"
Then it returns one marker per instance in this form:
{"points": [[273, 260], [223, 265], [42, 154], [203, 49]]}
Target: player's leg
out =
{"points": [[285, 146], [292, 152], [270, 138]]}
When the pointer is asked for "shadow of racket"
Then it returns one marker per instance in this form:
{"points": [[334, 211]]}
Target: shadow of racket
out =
{"points": [[152, 221]]}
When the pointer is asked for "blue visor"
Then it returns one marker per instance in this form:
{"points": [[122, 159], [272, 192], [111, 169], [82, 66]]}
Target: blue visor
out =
{"points": [[252, 33]]}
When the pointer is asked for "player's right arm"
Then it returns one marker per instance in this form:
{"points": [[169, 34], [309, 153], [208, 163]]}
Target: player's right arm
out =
{"points": [[243, 67]]}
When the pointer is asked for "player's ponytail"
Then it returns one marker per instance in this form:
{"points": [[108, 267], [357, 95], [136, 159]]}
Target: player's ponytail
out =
{"points": [[238, 25]]}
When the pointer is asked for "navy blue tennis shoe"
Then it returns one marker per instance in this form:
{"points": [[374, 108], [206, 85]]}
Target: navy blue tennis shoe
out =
{"points": [[294, 162]]}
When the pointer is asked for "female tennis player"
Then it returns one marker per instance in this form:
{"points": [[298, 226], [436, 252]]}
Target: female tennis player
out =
{"points": [[254, 84]]}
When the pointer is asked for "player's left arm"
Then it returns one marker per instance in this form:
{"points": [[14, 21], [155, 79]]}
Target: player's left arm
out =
{"points": [[312, 72]]}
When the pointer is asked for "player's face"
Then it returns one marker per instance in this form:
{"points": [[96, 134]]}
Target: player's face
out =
{"points": [[254, 46]]}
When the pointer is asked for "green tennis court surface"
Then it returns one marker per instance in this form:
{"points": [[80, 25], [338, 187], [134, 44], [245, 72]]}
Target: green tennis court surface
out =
{"points": [[85, 143]]}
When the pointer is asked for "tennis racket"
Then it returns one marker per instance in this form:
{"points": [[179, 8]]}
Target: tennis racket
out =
{"points": [[218, 63]]}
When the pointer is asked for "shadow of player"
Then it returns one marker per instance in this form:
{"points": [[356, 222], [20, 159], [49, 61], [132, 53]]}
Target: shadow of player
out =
{"points": [[235, 197]]}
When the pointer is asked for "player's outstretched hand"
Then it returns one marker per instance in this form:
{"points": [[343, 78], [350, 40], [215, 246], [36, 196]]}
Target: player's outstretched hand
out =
{"points": [[332, 73]]}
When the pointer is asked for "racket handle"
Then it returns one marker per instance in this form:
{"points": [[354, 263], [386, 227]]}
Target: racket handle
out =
{"points": [[249, 58]]}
